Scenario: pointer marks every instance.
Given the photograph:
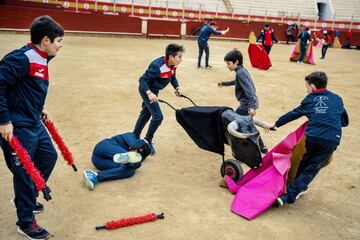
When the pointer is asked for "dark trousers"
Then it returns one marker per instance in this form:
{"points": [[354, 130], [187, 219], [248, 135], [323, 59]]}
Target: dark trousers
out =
{"points": [[267, 48], [303, 51], [203, 47], [102, 159], [243, 112], [324, 50], [148, 110], [288, 37], [316, 156], [41, 151]]}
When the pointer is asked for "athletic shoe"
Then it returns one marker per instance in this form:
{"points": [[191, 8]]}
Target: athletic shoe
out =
{"points": [[128, 157], [208, 67], [33, 231], [90, 179], [38, 207], [198, 67], [152, 150], [301, 193], [280, 201]]}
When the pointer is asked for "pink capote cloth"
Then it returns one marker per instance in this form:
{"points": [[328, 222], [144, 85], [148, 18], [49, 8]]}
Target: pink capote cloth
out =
{"points": [[260, 187], [296, 52]]}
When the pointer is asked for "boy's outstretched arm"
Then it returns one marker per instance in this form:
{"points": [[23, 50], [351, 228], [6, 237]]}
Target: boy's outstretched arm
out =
{"points": [[228, 83], [288, 117]]}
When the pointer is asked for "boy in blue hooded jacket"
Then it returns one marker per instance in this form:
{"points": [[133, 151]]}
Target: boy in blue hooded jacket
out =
{"points": [[117, 157], [326, 116]]}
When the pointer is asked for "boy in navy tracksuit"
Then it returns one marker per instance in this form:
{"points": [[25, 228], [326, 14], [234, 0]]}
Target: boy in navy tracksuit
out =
{"points": [[24, 82], [326, 114], [117, 157], [203, 39], [305, 38], [245, 90], [159, 74], [267, 36]]}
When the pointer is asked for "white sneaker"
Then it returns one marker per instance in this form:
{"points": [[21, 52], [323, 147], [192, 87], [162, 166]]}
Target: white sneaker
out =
{"points": [[128, 157], [279, 202]]}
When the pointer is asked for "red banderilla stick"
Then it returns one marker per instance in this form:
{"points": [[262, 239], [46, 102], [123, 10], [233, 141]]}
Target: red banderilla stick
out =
{"points": [[125, 222], [65, 152], [29, 167]]}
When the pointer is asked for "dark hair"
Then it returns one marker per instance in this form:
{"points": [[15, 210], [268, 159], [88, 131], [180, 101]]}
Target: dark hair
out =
{"points": [[319, 79], [266, 25], [212, 23], [144, 150], [234, 55], [172, 49], [45, 26]]}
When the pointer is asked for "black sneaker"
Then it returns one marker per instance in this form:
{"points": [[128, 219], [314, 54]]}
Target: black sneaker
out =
{"points": [[208, 67], [38, 208], [33, 231]]}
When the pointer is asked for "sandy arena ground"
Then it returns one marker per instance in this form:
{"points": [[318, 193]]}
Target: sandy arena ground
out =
{"points": [[93, 95]]}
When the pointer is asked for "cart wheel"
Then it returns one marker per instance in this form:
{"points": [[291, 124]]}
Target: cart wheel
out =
{"points": [[232, 169]]}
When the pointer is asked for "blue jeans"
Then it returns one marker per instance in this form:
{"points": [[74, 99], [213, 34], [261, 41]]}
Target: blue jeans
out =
{"points": [[317, 155], [303, 51], [148, 110], [203, 47], [102, 159], [38, 144]]}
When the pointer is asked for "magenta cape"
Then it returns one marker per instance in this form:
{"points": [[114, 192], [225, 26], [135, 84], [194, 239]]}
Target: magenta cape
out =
{"points": [[260, 187]]}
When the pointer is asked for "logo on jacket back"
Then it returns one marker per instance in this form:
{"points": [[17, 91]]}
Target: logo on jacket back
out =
{"points": [[320, 106]]}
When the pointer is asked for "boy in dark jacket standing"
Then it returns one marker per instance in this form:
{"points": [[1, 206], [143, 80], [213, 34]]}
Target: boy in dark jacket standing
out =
{"points": [[267, 36], [203, 39], [159, 74], [326, 114], [24, 82]]}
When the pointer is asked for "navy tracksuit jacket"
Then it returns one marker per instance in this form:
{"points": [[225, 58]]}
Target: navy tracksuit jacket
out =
{"points": [[157, 77], [24, 82], [326, 114]]}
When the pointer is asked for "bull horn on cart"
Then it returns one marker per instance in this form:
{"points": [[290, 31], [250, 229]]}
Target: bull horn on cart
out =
{"points": [[233, 130]]}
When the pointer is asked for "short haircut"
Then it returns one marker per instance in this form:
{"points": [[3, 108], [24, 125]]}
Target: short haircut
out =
{"points": [[212, 23], [266, 25], [173, 49], [319, 79], [234, 55], [45, 26]]}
